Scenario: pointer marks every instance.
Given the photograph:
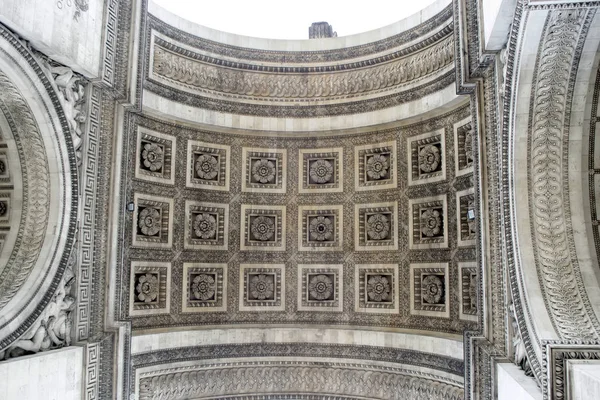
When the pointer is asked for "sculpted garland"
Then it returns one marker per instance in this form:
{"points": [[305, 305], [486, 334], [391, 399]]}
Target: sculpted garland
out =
{"points": [[188, 72], [555, 264]]}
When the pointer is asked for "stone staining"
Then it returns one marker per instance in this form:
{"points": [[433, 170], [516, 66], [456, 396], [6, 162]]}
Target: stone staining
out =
{"points": [[321, 228], [152, 221], [320, 287], [263, 228], [208, 166], [150, 287], [429, 290], [463, 139], [426, 157], [155, 157], [206, 226], [263, 170], [468, 288], [320, 171], [262, 287], [375, 166], [204, 287], [428, 225], [466, 222], [376, 226], [376, 288]]}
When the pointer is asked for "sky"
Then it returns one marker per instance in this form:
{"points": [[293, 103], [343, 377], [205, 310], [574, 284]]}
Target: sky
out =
{"points": [[284, 19]]}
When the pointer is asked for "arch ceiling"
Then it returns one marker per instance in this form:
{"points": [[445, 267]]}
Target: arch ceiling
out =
{"points": [[297, 203]]}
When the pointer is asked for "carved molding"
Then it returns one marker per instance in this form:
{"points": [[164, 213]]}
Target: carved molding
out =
{"points": [[288, 377], [36, 187], [556, 261], [187, 72]]}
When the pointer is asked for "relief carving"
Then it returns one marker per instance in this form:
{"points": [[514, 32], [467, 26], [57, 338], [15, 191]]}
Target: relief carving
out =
{"points": [[204, 77], [70, 88], [52, 329], [556, 265]]}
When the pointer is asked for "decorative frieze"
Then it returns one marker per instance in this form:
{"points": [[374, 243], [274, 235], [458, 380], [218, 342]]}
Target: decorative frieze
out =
{"points": [[156, 161], [376, 288], [206, 226], [204, 287], [465, 218], [428, 225], [321, 228], [427, 157], [320, 170], [262, 287], [376, 226], [190, 74], [149, 288], [207, 166], [430, 290], [375, 166], [263, 170], [152, 221], [320, 287], [467, 290], [263, 228]]}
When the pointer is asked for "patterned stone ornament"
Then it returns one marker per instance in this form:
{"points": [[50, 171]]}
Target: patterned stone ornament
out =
{"points": [[263, 170], [308, 375], [149, 288], [432, 289], [426, 157], [155, 156], [376, 289], [321, 228], [429, 290], [206, 225], [208, 166], [152, 221], [204, 287], [3, 208], [175, 66], [378, 166], [463, 149], [465, 218], [431, 222], [149, 221], [377, 226], [375, 166], [428, 226], [263, 228], [319, 287], [262, 287], [467, 278], [319, 170]]}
